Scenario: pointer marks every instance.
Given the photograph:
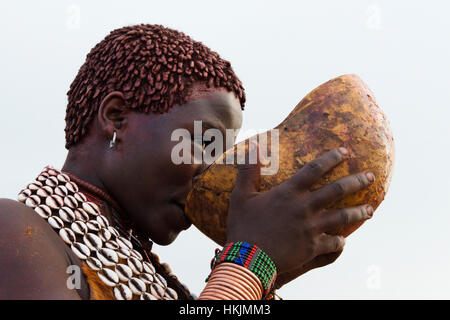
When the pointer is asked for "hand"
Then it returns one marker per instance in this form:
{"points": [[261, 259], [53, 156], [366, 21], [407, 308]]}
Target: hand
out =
{"points": [[317, 262], [289, 222]]}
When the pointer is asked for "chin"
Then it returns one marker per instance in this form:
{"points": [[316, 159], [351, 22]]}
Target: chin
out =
{"points": [[169, 223], [165, 239], [164, 234]]}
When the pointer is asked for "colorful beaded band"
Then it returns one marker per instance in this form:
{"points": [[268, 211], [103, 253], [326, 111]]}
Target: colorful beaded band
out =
{"points": [[250, 257]]}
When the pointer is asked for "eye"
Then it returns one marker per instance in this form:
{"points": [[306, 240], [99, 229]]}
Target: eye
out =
{"points": [[205, 144], [198, 144]]}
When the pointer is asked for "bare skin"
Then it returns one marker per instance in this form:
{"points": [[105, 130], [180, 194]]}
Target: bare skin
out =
{"points": [[299, 239], [33, 259], [139, 174]]}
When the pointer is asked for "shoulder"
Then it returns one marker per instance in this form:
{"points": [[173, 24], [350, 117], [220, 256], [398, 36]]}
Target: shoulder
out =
{"points": [[7, 206], [20, 224], [15, 214], [33, 259]]}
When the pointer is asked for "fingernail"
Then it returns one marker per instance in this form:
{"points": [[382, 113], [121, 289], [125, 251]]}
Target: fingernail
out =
{"points": [[370, 176], [343, 151], [369, 211]]}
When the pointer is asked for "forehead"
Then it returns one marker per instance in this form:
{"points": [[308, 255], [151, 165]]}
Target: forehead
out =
{"points": [[219, 109]]}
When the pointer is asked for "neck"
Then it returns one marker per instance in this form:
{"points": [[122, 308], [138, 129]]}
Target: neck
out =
{"points": [[83, 166], [87, 178]]}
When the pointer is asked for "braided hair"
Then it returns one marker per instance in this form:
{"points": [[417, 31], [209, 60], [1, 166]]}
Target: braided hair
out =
{"points": [[153, 66]]}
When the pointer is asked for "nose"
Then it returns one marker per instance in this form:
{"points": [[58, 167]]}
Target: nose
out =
{"points": [[201, 168]]}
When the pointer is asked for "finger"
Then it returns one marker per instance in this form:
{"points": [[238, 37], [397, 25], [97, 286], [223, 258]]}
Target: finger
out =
{"points": [[315, 169], [330, 244], [317, 262], [335, 219], [249, 174], [340, 188], [322, 260], [285, 277]]}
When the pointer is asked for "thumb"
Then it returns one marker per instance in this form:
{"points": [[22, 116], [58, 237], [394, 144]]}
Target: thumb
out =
{"points": [[249, 173]]}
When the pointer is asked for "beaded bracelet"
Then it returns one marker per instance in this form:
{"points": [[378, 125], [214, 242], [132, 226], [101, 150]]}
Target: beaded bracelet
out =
{"points": [[250, 257]]}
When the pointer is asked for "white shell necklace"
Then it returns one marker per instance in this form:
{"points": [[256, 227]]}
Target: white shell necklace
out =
{"points": [[57, 199]]}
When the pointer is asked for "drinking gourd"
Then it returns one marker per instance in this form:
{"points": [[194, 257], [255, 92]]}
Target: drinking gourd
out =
{"points": [[340, 112]]}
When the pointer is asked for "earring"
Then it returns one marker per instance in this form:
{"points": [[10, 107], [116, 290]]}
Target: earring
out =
{"points": [[112, 143]]}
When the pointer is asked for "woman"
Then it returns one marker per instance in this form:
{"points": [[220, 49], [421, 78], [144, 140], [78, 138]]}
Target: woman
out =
{"points": [[119, 191]]}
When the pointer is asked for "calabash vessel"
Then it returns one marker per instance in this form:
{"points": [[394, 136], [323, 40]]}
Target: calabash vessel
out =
{"points": [[340, 112]]}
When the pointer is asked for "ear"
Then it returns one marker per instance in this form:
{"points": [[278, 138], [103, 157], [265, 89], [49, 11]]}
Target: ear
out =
{"points": [[112, 114]]}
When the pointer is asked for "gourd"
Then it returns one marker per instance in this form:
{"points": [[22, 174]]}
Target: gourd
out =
{"points": [[340, 112]]}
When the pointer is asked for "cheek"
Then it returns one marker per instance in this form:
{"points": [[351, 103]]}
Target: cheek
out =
{"points": [[181, 174], [152, 152], [165, 171]]}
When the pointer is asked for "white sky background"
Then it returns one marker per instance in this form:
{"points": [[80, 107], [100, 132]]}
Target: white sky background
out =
{"points": [[280, 50]]}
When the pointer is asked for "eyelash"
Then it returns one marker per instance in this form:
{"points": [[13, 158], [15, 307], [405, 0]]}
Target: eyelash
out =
{"points": [[204, 144]]}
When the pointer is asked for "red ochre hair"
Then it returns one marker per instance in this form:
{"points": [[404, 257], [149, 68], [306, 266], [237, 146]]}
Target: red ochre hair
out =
{"points": [[153, 66]]}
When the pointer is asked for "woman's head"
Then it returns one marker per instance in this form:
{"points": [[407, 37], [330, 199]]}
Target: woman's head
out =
{"points": [[153, 66], [143, 83]]}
